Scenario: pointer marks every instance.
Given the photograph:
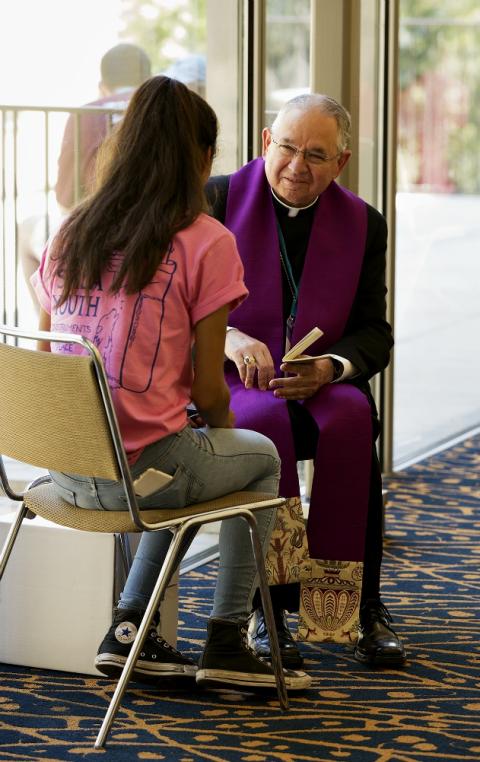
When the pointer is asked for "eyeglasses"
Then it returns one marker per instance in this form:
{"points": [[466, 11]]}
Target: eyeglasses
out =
{"points": [[311, 157]]}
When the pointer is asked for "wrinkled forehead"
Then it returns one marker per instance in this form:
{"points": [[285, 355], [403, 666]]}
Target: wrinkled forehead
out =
{"points": [[301, 127]]}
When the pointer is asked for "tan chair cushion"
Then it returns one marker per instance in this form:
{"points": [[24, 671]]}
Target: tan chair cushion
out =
{"points": [[44, 501]]}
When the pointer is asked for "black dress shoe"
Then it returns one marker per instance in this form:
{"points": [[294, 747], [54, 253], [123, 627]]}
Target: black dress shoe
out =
{"points": [[378, 644], [260, 642]]}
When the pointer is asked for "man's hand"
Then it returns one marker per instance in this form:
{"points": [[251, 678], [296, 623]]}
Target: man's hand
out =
{"points": [[306, 380], [239, 346]]}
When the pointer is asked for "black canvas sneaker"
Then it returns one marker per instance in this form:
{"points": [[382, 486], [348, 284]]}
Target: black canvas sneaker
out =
{"points": [[228, 660], [157, 658]]}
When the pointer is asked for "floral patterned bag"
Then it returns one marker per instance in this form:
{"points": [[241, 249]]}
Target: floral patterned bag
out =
{"points": [[329, 590]]}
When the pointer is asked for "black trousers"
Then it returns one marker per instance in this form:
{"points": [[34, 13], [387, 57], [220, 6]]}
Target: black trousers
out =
{"points": [[305, 434]]}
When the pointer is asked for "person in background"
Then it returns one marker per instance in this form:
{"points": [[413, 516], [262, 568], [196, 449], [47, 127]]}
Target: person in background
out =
{"points": [[191, 71], [142, 271], [314, 255], [122, 68]]}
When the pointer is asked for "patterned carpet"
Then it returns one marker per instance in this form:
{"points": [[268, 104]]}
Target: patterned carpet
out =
{"points": [[428, 711]]}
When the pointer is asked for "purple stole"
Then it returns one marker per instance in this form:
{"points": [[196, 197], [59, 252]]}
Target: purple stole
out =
{"points": [[340, 490]]}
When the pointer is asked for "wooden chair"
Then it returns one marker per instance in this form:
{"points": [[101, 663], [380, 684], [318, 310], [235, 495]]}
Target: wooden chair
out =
{"points": [[56, 413]]}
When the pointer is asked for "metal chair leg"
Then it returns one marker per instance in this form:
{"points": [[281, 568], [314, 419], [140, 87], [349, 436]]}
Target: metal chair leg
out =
{"points": [[268, 611], [123, 541], [11, 537], [188, 537], [182, 537], [168, 568]]}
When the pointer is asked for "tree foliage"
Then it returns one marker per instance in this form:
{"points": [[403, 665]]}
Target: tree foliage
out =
{"points": [[440, 39], [166, 29], [427, 33]]}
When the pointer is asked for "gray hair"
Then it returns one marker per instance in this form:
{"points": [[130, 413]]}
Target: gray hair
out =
{"points": [[326, 105]]}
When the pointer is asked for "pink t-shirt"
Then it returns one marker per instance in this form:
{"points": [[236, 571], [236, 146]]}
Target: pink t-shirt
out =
{"points": [[146, 339]]}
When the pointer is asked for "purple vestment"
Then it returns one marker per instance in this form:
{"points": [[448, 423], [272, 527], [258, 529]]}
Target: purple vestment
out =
{"points": [[339, 499]]}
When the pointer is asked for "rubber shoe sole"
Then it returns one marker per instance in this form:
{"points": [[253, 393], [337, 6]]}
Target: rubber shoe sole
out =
{"points": [[294, 681], [113, 664]]}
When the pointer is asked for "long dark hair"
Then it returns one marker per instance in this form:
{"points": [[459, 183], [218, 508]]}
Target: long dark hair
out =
{"points": [[150, 186]]}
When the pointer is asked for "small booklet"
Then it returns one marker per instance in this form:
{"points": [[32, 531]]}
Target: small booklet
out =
{"points": [[294, 354]]}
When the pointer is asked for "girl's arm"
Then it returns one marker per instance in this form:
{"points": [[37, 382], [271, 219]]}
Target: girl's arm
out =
{"points": [[43, 325], [210, 392]]}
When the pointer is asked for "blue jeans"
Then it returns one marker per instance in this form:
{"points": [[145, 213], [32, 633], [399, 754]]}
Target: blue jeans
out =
{"points": [[205, 463]]}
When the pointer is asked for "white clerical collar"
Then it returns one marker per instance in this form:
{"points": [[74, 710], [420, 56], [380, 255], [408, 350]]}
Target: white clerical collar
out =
{"points": [[293, 210]]}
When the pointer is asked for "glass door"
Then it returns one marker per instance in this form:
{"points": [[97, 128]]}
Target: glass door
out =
{"points": [[437, 306]]}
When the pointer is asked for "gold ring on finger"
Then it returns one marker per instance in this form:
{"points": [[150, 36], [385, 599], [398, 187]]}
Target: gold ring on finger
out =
{"points": [[249, 360]]}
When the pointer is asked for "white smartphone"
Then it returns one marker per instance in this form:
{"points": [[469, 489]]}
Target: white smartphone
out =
{"points": [[150, 481]]}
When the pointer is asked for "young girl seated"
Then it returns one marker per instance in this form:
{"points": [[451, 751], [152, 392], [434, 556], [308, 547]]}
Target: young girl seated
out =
{"points": [[140, 270]]}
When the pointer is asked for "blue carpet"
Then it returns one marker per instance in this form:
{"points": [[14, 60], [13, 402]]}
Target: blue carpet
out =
{"points": [[428, 711]]}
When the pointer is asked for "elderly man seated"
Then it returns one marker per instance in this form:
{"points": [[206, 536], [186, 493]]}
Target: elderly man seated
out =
{"points": [[314, 255]]}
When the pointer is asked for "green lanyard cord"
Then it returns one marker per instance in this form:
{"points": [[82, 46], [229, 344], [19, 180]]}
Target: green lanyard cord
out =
{"points": [[287, 267]]}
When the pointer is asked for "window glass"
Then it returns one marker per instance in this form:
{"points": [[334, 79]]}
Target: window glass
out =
{"points": [[287, 53], [66, 74], [368, 103], [173, 33], [437, 321]]}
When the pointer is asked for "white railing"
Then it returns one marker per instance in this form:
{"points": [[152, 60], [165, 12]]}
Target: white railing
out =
{"points": [[30, 142]]}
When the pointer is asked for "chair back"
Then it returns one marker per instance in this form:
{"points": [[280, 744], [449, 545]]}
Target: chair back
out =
{"points": [[53, 411]]}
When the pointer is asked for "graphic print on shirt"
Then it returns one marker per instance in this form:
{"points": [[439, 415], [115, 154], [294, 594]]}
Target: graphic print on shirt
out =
{"points": [[129, 350], [145, 334], [103, 338]]}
